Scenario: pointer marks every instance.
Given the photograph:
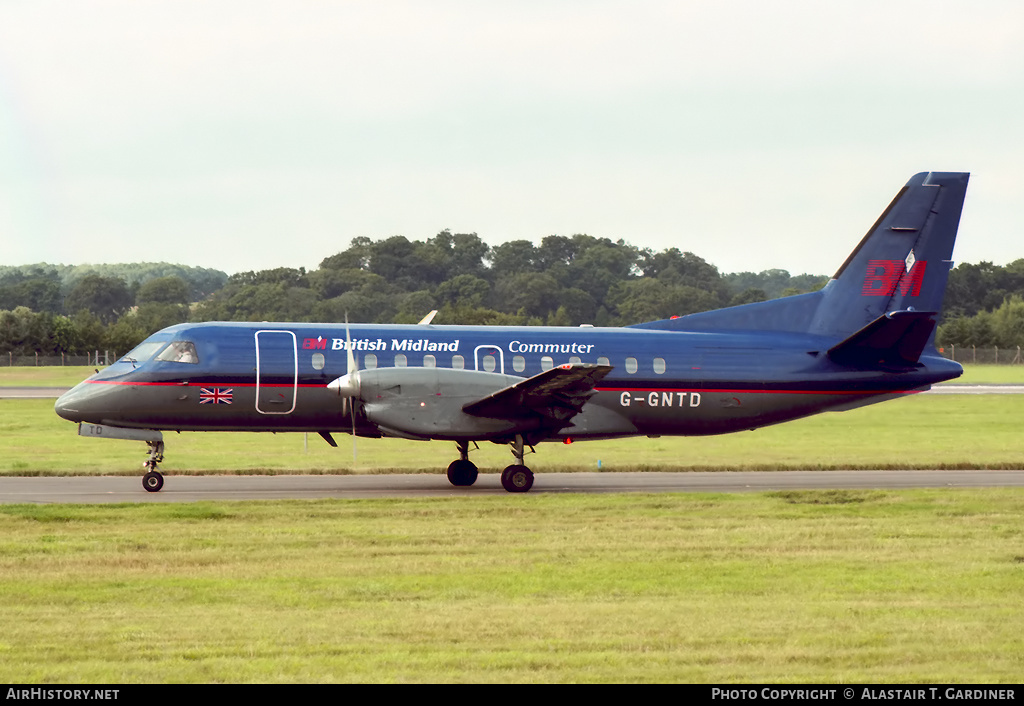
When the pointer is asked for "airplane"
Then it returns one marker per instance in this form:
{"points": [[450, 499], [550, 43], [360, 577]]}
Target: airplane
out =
{"points": [[866, 337]]}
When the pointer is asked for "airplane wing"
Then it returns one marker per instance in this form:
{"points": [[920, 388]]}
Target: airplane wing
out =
{"points": [[557, 395]]}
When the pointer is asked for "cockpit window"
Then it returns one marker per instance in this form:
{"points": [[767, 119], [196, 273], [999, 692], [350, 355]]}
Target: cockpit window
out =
{"points": [[143, 352], [179, 352]]}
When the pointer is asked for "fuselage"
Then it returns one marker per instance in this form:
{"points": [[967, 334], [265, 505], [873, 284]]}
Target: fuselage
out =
{"points": [[274, 377]]}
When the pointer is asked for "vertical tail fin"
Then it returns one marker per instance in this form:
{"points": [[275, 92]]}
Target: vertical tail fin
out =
{"points": [[904, 260], [901, 264]]}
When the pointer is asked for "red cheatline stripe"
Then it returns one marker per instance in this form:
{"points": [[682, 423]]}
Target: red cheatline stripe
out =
{"points": [[200, 384]]}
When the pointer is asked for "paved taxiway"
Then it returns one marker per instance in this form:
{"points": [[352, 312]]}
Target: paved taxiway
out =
{"points": [[25, 393], [126, 489]]}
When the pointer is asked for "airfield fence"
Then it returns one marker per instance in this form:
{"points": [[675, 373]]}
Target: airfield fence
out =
{"points": [[96, 359], [971, 355]]}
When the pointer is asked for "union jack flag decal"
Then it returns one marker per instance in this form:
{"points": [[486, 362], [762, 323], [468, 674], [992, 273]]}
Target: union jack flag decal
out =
{"points": [[215, 395]]}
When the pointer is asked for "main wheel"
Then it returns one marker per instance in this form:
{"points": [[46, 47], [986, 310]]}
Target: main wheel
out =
{"points": [[517, 479], [153, 481], [462, 473]]}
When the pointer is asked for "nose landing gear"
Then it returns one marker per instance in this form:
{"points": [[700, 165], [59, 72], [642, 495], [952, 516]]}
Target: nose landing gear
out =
{"points": [[153, 480]]}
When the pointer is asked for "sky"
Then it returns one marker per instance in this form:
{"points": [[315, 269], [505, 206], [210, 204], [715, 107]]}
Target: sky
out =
{"points": [[251, 135]]}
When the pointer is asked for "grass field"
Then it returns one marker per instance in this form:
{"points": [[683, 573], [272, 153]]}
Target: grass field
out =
{"points": [[815, 586], [44, 376], [992, 375]]}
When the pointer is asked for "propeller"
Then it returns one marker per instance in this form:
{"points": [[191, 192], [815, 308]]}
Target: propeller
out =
{"points": [[347, 386]]}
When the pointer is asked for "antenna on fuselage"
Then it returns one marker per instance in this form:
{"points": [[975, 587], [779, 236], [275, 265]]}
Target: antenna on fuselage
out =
{"points": [[425, 321]]}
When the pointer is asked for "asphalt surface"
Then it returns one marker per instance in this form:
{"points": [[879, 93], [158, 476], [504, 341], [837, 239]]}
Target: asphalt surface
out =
{"points": [[32, 392], [127, 489], [960, 389]]}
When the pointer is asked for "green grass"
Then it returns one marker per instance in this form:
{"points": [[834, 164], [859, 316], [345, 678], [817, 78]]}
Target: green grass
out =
{"points": [[921, 431], [811, 586], [44, 376], [992, 375]]}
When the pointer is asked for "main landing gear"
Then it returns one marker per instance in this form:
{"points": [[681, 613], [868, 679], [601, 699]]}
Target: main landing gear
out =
{"points": [[516, 478], [153, 480], [462, 472]]}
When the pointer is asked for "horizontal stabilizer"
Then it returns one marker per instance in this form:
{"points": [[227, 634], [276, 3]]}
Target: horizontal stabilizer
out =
{"points": [[892, 340]]}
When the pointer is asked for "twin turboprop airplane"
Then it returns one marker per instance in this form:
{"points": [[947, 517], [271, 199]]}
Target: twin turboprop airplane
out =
{"points": [[867, 336]]}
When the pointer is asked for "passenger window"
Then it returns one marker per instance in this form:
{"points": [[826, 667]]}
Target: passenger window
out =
{"points": [[631, 366], [519, 363], [179, 352], [546, 363], [458, 362], [489, 363], [318, 361], [603, 361], [575, 360], [429, 361], [400, 360], [659, 366], [370, 361]]}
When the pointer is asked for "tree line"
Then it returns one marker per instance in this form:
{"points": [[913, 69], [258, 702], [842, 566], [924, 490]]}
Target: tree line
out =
{"points": [[53, 309], [563, 280], [984, 306]]}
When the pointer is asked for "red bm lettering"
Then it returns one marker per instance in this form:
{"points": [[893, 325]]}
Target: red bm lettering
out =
{"points": [[314, 344], [884, 276]]}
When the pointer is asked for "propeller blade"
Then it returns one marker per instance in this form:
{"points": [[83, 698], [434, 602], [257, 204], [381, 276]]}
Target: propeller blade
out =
{"points": [[348, 384], [351, 357], [352, 384]]}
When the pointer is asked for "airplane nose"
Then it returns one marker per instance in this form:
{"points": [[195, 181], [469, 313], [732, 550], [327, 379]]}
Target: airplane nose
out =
{"points": [[64, 406], [79, 404]]}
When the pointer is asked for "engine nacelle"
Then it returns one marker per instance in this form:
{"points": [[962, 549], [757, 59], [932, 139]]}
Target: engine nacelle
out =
{"points": [[426, 403]]}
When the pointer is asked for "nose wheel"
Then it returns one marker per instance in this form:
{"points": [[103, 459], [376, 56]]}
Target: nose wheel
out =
{"points": [[153, 480]]}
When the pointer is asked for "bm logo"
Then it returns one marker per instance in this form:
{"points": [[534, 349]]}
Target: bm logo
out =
{"points": [[884, 276], [314, 344]]}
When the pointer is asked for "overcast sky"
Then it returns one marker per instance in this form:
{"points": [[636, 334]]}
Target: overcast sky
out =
{"points": [[248, 135]]}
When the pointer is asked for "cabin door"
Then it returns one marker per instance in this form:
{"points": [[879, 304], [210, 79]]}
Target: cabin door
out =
{"points": [[277, 372]]}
